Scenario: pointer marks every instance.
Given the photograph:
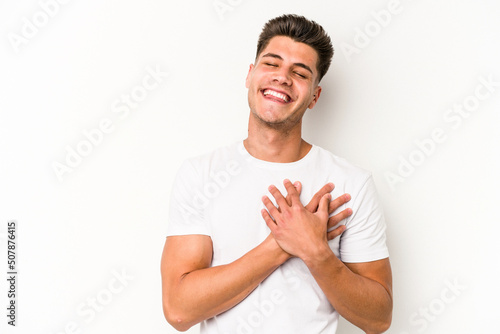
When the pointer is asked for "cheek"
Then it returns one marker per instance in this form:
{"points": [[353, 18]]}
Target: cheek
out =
{"points": [[307, 93], [251, 81], [247, 81]]}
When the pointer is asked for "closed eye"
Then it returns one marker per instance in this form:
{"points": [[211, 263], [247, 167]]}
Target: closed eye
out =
{"points": [[300, 75]]}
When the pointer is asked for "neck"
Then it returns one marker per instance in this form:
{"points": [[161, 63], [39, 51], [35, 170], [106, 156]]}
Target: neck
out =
{"points": [[274, 144]]}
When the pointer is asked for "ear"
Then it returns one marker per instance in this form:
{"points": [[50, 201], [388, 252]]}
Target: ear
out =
{"points": [[317, 93], [247, 81]]}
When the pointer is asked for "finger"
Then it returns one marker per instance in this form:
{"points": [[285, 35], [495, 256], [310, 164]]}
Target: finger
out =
{"points": [[291, 192], [336, 203], [334, 220], [335, 232], [280, 200], [269, 220], [273, 211], [298, 187], [312, 206], [323, 204]]}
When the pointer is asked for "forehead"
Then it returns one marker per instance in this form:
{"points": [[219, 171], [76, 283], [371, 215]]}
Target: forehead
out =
{"points": [[291, 51]]}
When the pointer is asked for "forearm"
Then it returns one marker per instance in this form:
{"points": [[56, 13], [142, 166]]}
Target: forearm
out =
{"points": [[204, 293], [364, 302]]}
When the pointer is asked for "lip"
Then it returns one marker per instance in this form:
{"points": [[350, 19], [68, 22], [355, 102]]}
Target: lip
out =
{"points": [[278, 91]]}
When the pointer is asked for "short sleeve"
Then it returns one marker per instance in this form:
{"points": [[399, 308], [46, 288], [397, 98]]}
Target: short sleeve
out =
{"points": [[187, 209], [364, 239]]}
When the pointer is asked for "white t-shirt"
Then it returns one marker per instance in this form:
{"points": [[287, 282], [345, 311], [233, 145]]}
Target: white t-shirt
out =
{"points": [[219, 195]]}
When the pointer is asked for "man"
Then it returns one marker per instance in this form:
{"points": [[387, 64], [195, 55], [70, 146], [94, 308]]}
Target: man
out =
{"points": [[241, 262]]}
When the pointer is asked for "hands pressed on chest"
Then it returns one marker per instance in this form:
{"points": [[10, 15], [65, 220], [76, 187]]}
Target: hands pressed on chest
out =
{"points": [[302, 231]]}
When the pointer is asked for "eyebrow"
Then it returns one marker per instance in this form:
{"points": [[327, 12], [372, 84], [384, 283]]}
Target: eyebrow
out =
{"points": [[274, 55]]}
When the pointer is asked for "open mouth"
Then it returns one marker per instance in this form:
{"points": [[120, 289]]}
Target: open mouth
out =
{"points": [[276, 95]]}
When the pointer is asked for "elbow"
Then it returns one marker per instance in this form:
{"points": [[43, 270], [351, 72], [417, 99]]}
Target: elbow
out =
{"points": [[386, 327], [176, 318], [381, 326], [178, 323], [384, 321]]}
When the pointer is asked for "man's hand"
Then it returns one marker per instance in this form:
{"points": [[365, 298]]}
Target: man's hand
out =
{"points": [[302, 231]]}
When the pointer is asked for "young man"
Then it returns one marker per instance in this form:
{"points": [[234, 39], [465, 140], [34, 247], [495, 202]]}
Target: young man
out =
{"points": [[241, 262]]}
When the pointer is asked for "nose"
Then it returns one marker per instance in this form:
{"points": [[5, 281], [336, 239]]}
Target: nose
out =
{"points": [[282, 76]]}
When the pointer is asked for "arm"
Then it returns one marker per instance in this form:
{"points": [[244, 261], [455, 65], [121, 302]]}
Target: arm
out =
{"points": [[362, 292], [193, 291]]}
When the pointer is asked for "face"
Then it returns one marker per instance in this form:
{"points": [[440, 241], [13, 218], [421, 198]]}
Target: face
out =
{"points": [[283, 83]]}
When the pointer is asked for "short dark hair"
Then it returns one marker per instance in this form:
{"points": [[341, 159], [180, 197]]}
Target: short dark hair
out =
{"points": [[300, 30]]}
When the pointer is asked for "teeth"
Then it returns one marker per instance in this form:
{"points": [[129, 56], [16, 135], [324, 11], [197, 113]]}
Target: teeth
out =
{"points": [[276, 94]]}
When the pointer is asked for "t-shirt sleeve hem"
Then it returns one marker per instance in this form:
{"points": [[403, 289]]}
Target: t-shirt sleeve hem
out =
{"points": [[187, 231], [357, 258]]}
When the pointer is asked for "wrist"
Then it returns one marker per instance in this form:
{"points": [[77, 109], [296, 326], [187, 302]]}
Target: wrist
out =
{"points": [[274, 250], [319, 256]]}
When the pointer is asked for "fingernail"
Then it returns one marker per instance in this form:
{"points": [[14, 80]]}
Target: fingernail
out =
{"points": [[347, 197]]}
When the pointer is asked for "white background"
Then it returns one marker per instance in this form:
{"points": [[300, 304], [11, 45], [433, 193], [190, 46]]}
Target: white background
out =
{"points": [[109, 214]]}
